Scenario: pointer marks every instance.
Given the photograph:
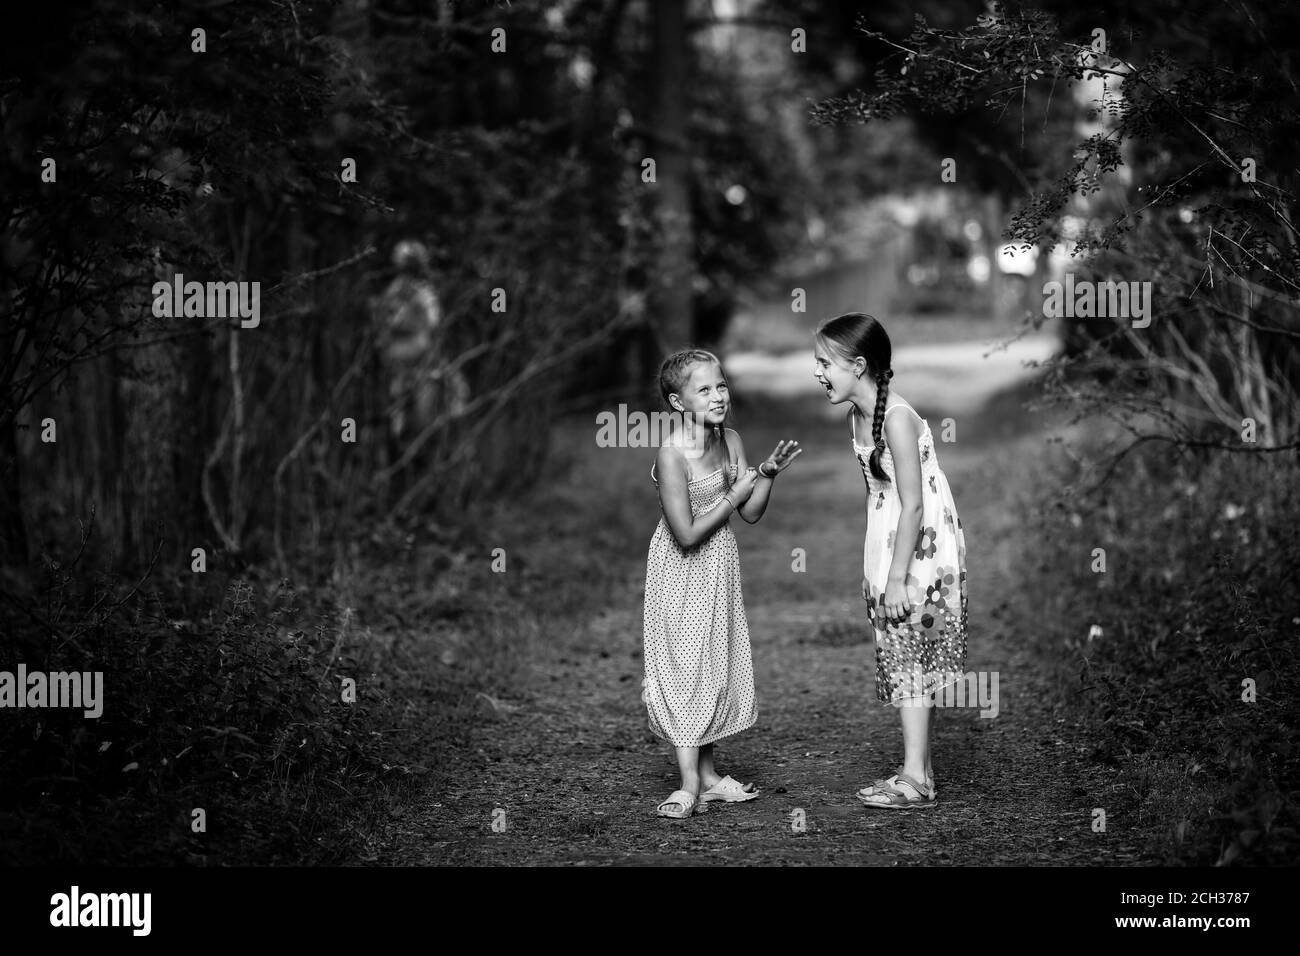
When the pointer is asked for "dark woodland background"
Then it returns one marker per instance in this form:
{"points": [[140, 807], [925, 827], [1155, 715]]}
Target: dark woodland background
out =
{"points": [[521, 170]]}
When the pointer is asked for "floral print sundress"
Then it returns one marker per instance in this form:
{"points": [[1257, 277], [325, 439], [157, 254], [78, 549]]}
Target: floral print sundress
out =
{"points": [[928, 651]]}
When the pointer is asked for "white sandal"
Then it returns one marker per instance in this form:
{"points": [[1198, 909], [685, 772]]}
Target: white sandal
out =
{"points": [[685, 802], [877, 785], [729, 790], [893, 796]]}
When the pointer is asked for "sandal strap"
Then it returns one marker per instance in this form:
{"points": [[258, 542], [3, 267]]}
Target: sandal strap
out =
{"points": [[683, 798], [895, 794], [730, 785], [921, 789], [887, 784], [883, 782], [888, 795]]}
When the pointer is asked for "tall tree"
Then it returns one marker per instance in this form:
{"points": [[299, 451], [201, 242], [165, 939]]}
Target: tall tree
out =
{"points": [[672, 282]]}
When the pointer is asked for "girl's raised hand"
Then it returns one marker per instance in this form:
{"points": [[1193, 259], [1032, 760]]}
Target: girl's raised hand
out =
{"points": [[780, 459]]}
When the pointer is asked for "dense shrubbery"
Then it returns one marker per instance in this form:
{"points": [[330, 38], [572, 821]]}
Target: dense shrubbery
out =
{"points": [[1198, 595], [239, 710], [239, 713]]}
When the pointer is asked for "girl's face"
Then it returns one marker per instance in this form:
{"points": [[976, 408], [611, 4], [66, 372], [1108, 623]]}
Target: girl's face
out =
{"points": [[832, 373], [705, 396]]}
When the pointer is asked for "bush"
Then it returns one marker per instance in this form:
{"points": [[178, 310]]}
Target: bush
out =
{"points": [[1197, 598], [239, 714]]}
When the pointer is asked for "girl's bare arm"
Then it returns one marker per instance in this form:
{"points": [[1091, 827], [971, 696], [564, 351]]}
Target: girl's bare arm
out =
{"points": [[786, 452], [756, 503], [867, 511], [902, 433]]}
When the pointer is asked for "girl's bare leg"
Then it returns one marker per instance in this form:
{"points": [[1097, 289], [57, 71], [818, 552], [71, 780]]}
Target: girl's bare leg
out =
{"points": [[916, 738], [709, 775], [688, 762], [929, 748]]}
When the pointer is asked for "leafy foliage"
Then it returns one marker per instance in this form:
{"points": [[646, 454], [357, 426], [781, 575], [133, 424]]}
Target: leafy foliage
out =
{"points": [[1191, 131], [1154, 653], [239, 714]]}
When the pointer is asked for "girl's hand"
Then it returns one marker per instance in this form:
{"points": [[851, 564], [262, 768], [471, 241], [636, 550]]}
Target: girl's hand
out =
{"points": [[744, 486], [897, 608], [780, 459]]}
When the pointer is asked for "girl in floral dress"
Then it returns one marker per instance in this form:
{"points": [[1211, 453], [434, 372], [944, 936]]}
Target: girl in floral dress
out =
{"points": [[914, 557]]}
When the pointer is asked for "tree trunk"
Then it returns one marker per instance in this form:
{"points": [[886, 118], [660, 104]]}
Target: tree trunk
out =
{"points": [[671, 287], [13, 529]]}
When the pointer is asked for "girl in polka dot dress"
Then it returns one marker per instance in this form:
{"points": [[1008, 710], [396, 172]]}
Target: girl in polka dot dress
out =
{"points": [[914, 557], [699, 677]]}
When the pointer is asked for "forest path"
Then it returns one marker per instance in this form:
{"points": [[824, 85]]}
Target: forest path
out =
{"points": [[569, 772]]}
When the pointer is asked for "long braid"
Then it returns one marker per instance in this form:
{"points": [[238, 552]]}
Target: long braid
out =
{"points": [[878, 423]]}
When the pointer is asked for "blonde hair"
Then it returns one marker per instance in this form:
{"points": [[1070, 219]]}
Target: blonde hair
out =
{"points": [[677, 369]]}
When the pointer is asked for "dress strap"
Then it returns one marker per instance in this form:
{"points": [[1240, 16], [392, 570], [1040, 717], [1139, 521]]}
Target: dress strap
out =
{"points": [[902, 405], [853, 422]]}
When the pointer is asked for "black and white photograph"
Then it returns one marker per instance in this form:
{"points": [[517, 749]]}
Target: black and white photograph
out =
{"points": [[586, 434]]}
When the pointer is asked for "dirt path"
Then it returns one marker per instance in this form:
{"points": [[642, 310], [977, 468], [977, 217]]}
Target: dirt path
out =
{"points": [[567, 763]]}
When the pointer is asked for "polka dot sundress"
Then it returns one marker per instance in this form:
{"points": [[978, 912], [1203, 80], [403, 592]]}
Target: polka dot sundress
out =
{"points": [[699, 675], [928, 651]]}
